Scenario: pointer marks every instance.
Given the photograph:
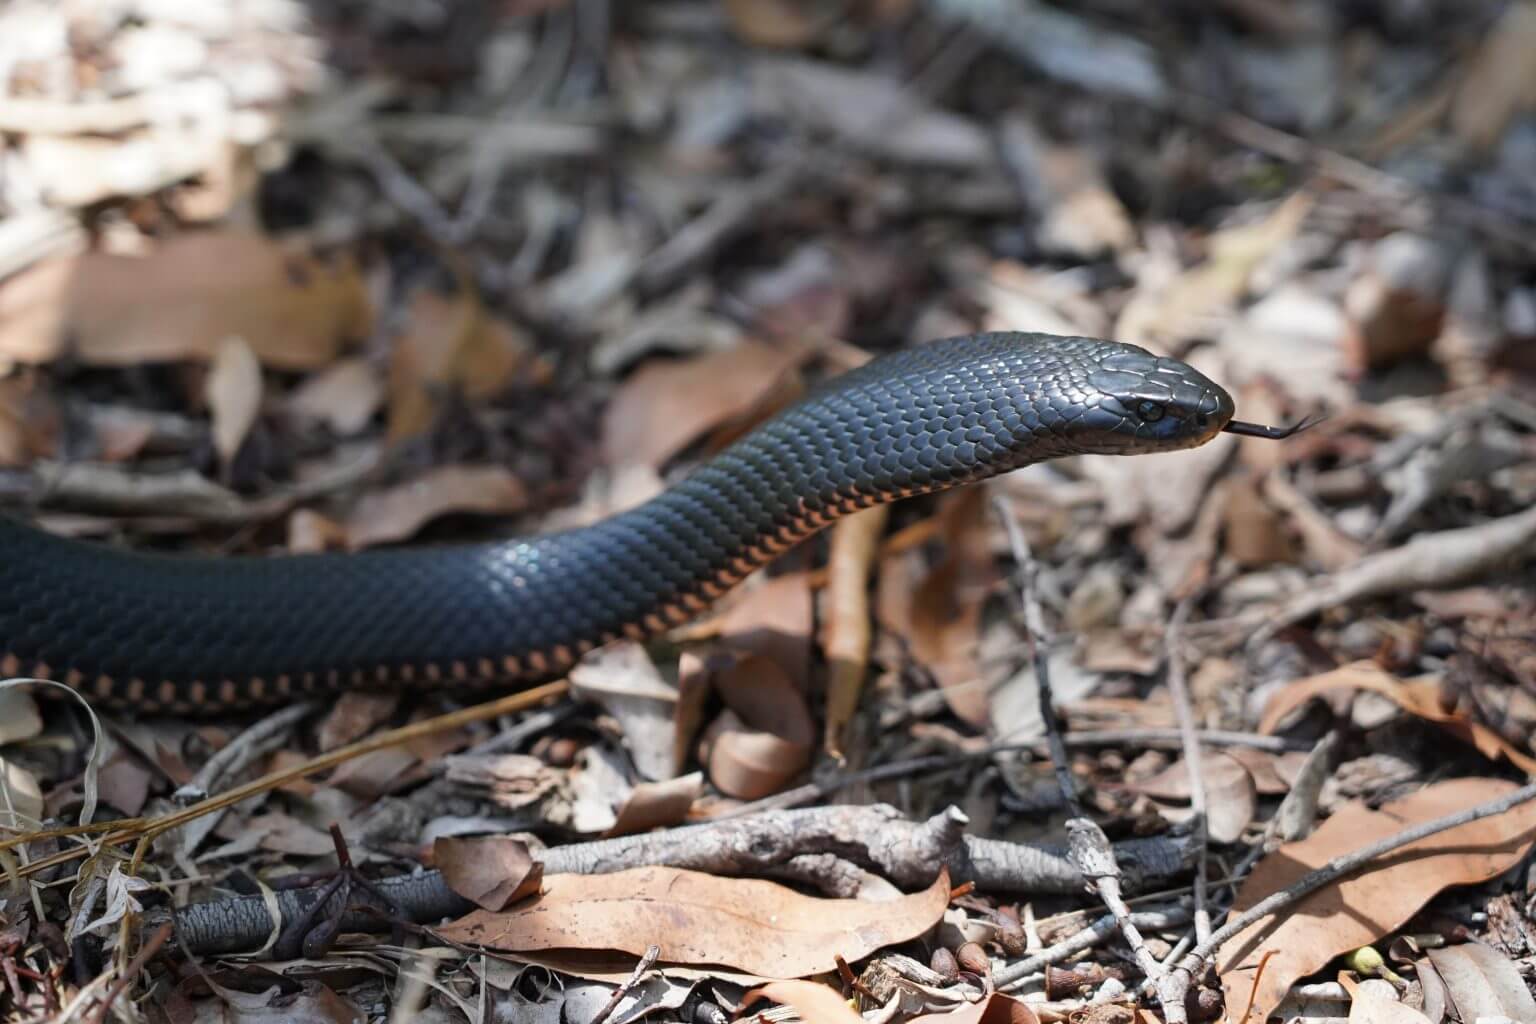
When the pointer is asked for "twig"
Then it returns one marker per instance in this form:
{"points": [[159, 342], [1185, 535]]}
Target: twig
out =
{"points": [[652, 954], [142, 957], [145, 830], [1178, 689], [1038, 644], [1089, 848], [1015, 974], [1340, 866]]}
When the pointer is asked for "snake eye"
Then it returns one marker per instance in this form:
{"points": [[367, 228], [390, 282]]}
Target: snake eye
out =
{"points": [[1149, 411]]}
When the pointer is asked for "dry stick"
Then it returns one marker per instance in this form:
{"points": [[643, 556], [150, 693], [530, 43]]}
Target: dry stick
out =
{"points": [[147, 829], [1015, 974], [135, 965], [1343, 865], [1178, 689], [1089, 847], [652, 954]]}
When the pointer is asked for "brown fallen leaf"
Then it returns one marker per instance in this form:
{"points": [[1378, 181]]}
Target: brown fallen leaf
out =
{"points": [[1362, 908], [668, 404], [622, 679], [1374, 1001], [344, 396], [750, 924], [1254, 532], [1481, 983], [768, 615], [397, 514], [945, 614], [764, 738], [657, 805], [30, 421], [1231, 797], [812, 1002], [996, 1008], [790, 24], [233, 391], [1500, 78], [1418, 697], [854, 546], [295, 310], [452, 344], [492, 872]]}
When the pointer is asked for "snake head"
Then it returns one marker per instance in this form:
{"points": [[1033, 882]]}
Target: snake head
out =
{"points": [[1136, 402]]}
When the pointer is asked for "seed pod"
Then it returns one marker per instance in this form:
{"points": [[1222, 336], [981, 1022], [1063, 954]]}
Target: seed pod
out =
{"points": [[971, 957], [944, 964]]}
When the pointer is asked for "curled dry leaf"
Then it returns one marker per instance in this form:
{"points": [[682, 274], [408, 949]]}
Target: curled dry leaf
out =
{"points": [[21, 799], [746, 923], [234, 394], [667, 404], [492, 872], [764, 738], [1419, 697], [396, 514], [1375, 1002], [1362, 908], [295, 310]]}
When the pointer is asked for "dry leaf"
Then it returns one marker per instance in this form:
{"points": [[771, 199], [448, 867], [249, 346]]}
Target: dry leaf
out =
{"points": [[747, 923], [772, 616], [19, 717], [1482, 982], [1363, 907], [996, 1008], [657, 804], [945, 624], [622, 679], [764, 738], [492, 872], [813, 1003], [452, 344], [1375, 1002], [1500, 80], [780, 23], [1231, 797], [397, 514], [233, 394], [1185, 307], [845, 638], [344, 396], [668, 404], [1420, 698], [1254, 532], [29, 421], [21, 799], [309, 531], [295, 311]]}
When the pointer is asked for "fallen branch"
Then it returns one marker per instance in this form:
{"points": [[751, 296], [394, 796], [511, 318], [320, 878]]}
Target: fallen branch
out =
{"points": [[826, 847], [1431, 560]]}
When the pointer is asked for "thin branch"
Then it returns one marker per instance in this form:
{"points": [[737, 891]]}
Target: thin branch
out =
{"points": [[1343, 865]]}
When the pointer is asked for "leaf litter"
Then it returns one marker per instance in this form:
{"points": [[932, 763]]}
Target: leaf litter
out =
{"points": [[372, 279]]}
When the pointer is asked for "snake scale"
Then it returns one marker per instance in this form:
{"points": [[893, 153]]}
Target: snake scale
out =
{"points": [[155, 632]]}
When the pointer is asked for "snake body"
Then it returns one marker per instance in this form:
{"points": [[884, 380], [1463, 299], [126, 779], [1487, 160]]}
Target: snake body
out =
{"points": [[162, 632]]}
